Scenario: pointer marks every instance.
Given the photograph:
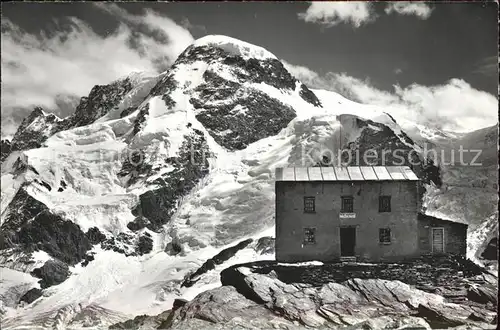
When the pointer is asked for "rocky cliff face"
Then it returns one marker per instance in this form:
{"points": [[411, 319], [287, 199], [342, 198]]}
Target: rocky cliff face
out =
{"points": [[100, 101], [5, 148], [157, 205], [34, 130]]}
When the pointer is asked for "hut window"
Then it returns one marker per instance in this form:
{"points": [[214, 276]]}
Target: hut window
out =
{"points": [[384, 204], [347, 204], [384, 235], [309, 235], [309, 204]]}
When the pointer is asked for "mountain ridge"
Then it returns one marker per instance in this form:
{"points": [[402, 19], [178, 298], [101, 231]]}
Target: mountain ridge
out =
{"points": [[152, 175]]}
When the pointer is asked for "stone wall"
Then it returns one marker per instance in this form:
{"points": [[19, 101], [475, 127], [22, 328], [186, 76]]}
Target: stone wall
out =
{"points": [[455, 235], [291, 220]]}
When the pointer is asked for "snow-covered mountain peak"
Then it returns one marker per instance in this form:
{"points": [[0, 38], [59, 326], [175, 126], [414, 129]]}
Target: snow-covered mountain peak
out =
{"points": [[154, 174], [234, 47], [137, 77]]}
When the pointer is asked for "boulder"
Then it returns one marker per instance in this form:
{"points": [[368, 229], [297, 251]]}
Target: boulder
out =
{"points": [[392, 293], [5, 147], [51, 273], [390, 322], [178, 303], [483, 294], [221, 306], [454, 315], [265, 245], [173, 248]]}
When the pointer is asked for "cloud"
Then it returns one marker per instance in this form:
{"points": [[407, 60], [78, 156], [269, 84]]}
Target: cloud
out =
{"points": [[357, 13], [194, 28], [454, 105], [54, 71], [161, 37], [419, 9], [332, 13], [487, 66]]}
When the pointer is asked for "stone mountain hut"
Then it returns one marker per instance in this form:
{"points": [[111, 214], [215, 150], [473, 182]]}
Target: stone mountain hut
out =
{"points": [[364, 213]]}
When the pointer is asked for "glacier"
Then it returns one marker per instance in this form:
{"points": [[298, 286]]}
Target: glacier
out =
{"points": [[237, 103]]}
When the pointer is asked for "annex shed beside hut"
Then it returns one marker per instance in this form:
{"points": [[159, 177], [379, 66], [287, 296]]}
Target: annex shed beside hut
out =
{"points": [[366, 213]]}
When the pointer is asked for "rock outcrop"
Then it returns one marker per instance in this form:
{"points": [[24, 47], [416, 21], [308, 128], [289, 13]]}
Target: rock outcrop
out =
{"points": [[218, 259], [101, 99], [143, 322], [61, 239], [491, 250], [31, 295], [5, 149], [255, 292], [51, 273], [224, 308], [35, 129]]}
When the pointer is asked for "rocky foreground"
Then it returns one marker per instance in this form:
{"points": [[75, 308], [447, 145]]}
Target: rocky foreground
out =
{"points": [[427, 293]]}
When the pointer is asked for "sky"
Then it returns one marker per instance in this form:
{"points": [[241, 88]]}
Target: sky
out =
{"points": [[438, 57]]}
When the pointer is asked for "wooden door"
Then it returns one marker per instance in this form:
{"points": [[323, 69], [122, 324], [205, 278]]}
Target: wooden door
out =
{"points": [[437, 240], [347, 241]]}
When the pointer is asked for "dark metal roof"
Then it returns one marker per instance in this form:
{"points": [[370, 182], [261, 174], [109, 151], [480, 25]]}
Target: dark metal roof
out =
{"points": [[421, 216], [349, 173]]}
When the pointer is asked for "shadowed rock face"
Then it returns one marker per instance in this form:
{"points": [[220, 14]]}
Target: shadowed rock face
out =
{"points": [[61, 239], [234, 113], [174, 247], [5, 149], [243, 120], [309, 96], [30, 226], [31, 295], [144, 244], [491, 250], [218, 259], [129, 245], [265, 245], [21, 209], [101, 99], [142, 322], [95, 236], [269, 71], [389, 150], [32, 132], [51, 273], [237, 115]]}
